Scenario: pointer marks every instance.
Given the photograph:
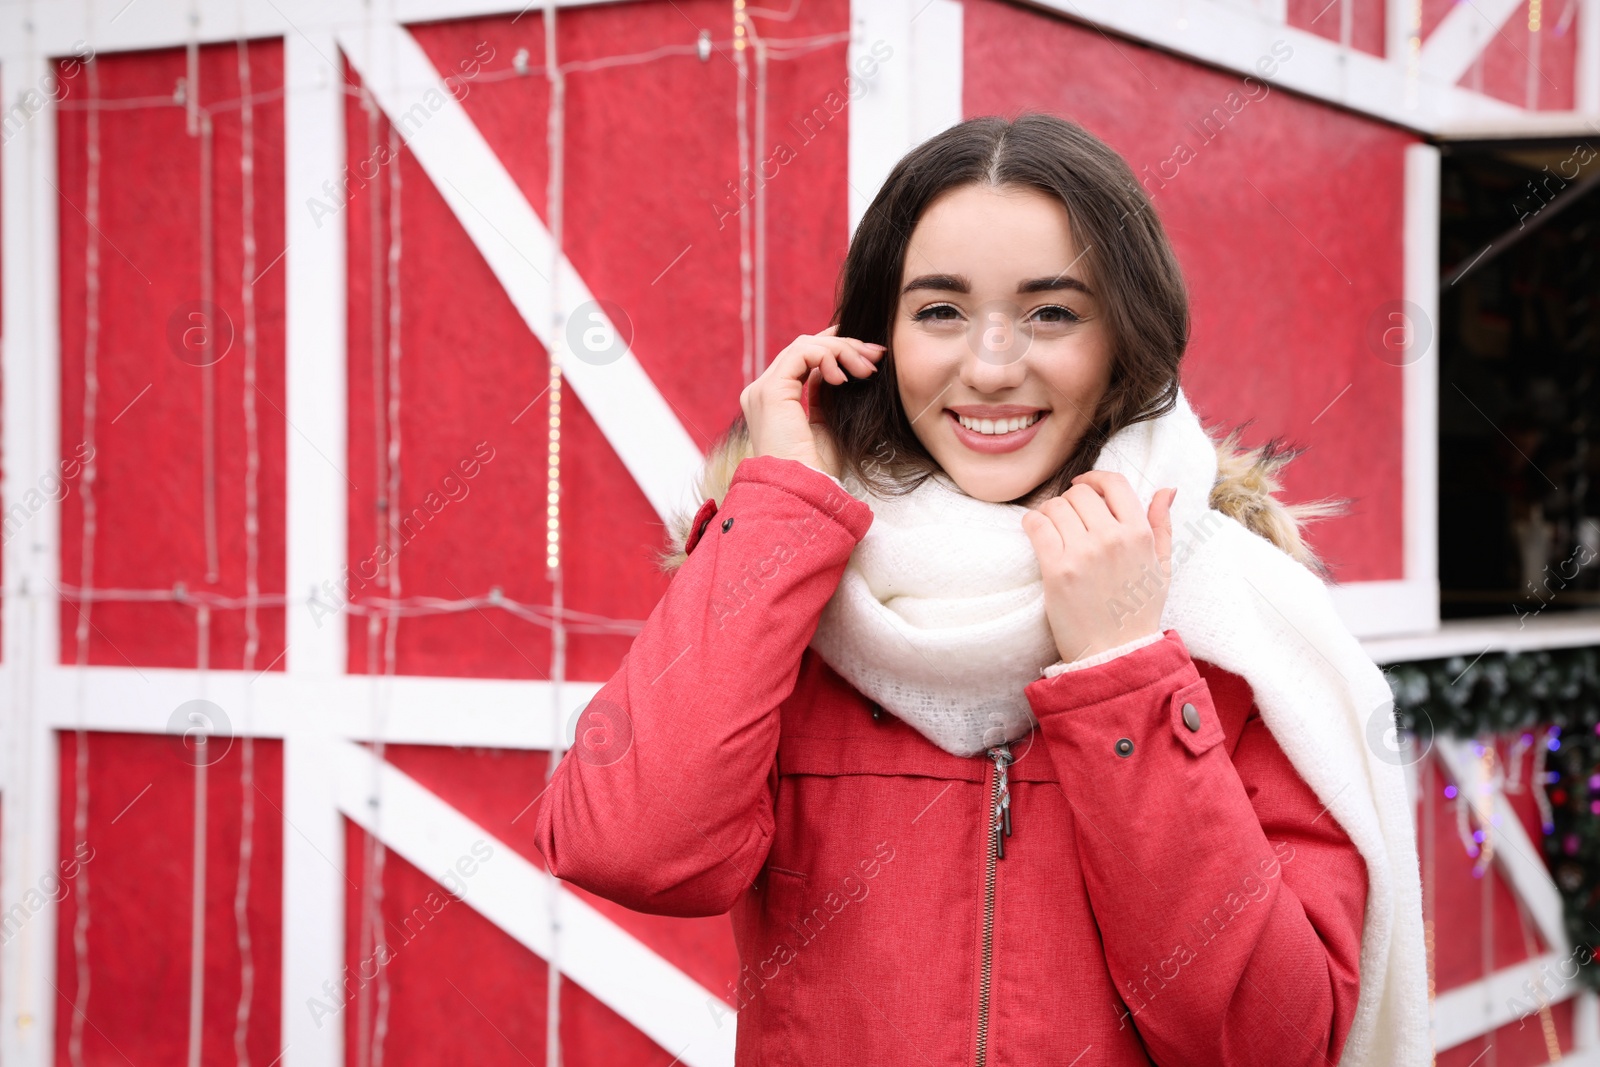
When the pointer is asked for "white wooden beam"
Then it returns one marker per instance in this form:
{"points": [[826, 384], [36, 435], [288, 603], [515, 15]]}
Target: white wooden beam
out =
{"points": [[1505, 633], [914, 50], [1420, 385], [636, 420], [1586, 1023], [1462, 35], [1587, 75], [881, 118], [938, 64], [314, 889], [316, 487], [318, 478], [1215, 32], [625, 975], [32, 406], [1480, 1007], [1400, 36], [119, 26], [487, 712]]}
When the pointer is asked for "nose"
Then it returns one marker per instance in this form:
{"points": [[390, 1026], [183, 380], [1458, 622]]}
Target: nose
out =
{"points": [[996, 347]]}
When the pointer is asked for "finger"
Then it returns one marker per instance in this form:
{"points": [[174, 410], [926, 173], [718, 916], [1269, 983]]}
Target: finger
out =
{"points": [[795, 363], [1086, 500], [855, 364], [1118, 494], [813, 390], [1065, 518], [853, 358], [1044, 536], [831, 369], [1161, 526], [859, 357], [830, 331]]}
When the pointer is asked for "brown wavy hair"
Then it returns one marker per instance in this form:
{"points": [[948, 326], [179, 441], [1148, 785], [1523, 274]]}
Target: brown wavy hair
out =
{"points": [[1126, 255]]}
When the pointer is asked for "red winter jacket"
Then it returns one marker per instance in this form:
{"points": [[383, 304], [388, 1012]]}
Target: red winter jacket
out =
{"points": [[1185, 902]]}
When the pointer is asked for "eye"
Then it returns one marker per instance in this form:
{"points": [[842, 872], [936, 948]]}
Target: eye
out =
{"points": [[1055, 313], [938, 313]]}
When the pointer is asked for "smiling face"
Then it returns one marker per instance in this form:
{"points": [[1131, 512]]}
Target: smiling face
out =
{"points": [[1001, 352]]}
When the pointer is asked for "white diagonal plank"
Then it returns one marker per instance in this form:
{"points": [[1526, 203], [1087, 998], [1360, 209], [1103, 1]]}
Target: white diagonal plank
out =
{"points": [[625, 975], [637, 422], [1462, 35]]}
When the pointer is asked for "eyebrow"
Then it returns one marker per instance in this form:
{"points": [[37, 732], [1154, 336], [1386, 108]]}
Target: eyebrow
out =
{"points": [[956, 283]]}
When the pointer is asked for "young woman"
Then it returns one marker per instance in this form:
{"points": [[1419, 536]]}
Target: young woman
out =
{"points": [[919, 706]]}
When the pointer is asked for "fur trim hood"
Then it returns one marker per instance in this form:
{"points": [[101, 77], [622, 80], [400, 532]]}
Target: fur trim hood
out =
{"points": [[1245, 490]]}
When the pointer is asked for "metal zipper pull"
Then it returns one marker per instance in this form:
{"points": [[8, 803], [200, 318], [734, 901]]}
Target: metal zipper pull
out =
{"points": [[1001, 754]]}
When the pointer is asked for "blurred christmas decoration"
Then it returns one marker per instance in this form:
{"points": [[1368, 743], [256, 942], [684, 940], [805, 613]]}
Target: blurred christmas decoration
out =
{"points": [[1549, 700]]}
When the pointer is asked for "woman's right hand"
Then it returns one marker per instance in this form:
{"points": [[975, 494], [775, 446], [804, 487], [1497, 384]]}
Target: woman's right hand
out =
{"points": [[780, 409]]}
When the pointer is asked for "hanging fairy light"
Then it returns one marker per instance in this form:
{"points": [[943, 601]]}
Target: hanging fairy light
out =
{"points": [[91, 392], [555, 128], [552, 549]]}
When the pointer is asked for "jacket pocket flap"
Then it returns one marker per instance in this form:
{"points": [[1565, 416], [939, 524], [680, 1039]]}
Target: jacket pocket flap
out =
{"points": [[894, 756]]}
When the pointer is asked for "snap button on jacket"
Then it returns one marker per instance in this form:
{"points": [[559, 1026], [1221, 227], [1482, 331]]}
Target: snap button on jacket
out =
{"points": [[1059, 900]]}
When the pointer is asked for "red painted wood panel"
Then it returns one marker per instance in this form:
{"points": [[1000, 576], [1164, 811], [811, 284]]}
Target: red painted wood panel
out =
{"points": [[1528, 67], [139, 869], [1325, 18], [149, 490]]}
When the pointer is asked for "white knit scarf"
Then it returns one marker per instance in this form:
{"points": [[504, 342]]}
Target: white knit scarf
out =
{"points": [[940, 618]]}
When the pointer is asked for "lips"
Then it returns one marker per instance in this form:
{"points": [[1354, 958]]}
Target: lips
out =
{"points": [[992, 444]]}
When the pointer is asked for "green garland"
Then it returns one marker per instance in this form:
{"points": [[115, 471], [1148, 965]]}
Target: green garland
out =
{"points": [[1504, 692]]}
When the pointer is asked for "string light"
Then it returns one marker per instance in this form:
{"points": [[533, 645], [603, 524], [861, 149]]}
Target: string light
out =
{"points": [[759, 279], [1547, 1022], [1535, 40], [208, 373], [555, 128], [252, 540], [742, 123], [198, 860], [86, 494], [555, 200], [380, 851]]}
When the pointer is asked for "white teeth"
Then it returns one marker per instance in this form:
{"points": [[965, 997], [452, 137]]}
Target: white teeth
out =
{"points": [[1000, 426]]}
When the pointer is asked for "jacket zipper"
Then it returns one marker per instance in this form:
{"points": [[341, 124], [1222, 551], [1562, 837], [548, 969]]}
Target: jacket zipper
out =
{"points": [[995, 850]]}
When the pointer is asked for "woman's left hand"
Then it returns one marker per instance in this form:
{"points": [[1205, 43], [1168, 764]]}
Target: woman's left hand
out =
{"points": [[1104, 560]]}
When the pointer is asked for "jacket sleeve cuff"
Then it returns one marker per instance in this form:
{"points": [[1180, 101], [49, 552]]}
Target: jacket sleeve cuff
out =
{"points": [[1062, 667], [822, 491], [1164, 663]]}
